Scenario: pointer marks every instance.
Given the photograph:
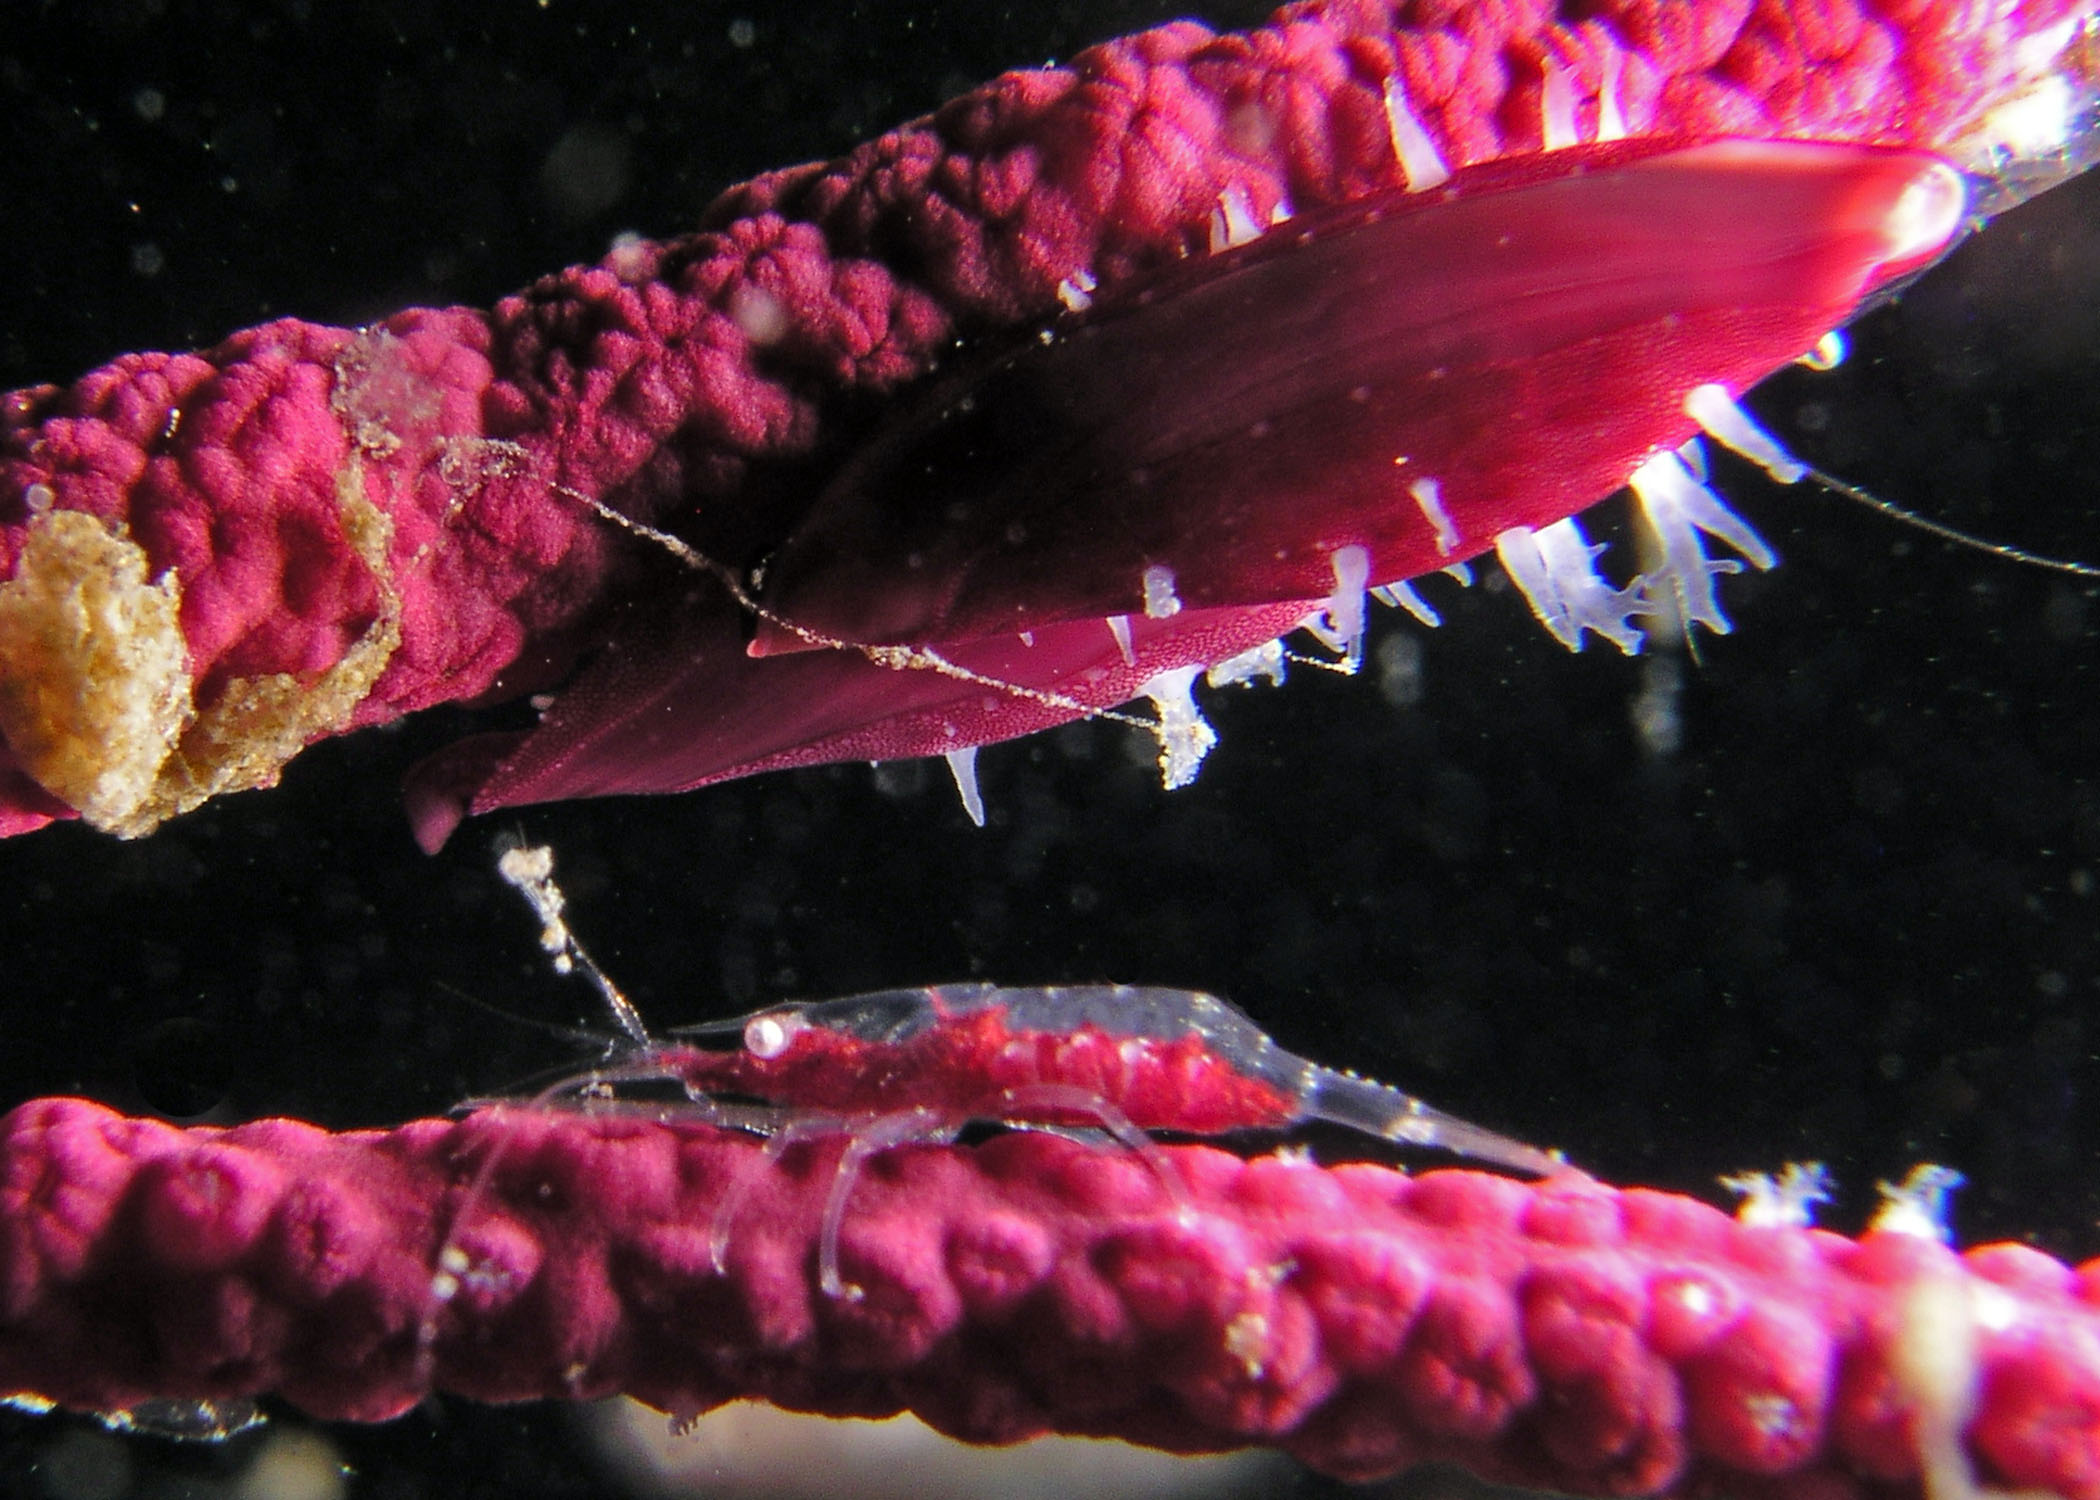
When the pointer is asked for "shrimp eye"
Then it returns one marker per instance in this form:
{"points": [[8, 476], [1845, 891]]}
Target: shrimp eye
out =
{"points": [[767, 1036]]}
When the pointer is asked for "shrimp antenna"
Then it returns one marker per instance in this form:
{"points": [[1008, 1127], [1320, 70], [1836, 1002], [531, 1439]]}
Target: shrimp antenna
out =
{"points": [[892, 658], [580, 1035], [1844, 490], [530, 869]]}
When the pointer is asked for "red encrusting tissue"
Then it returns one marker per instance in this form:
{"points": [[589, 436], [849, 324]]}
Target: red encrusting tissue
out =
{"points": [[209, 560], [1559, 1333]]}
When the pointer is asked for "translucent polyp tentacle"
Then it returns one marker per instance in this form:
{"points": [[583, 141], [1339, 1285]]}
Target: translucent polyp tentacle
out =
{"points": [[1515, 342]]}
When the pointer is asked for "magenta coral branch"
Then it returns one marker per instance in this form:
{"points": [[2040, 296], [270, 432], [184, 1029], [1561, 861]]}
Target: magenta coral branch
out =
{"points": [[214, 559], [1561, 1334]]}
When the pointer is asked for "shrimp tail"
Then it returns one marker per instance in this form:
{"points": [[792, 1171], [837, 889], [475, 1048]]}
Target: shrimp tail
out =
{"points": [[1361, 1104]]}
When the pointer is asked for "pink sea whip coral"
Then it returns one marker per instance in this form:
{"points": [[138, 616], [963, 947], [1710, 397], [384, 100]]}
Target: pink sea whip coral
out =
{"points": [[1563, 1334]]}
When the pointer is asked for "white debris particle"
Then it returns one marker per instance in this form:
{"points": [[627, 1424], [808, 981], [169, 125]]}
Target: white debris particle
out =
{"points": [[1160, 599], [530, 869], [758, 315], [1184, 737], [1263, 663], [1076, 291]]}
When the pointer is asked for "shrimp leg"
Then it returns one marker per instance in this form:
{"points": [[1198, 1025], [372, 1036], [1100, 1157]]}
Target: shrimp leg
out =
{"points": [[911, 1127], [1073, 1099]]}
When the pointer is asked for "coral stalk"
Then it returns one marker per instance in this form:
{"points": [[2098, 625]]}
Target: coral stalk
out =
{"points": [[213, 559], [1560, 1333]]}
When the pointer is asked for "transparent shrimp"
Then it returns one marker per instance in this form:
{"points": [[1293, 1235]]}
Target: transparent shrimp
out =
{"points": [[914, 1066], [1166, 1059]]}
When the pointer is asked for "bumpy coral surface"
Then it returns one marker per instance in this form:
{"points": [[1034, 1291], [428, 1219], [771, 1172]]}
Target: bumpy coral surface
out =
{"points": [[1562, 1333]]}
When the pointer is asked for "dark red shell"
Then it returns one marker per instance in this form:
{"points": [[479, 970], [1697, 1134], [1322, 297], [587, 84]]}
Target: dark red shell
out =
{"points": [[1525, 335]]}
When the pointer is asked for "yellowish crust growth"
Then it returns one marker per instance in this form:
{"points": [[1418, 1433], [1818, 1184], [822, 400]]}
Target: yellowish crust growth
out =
{"points": [[95, 691], [94, 672]]}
